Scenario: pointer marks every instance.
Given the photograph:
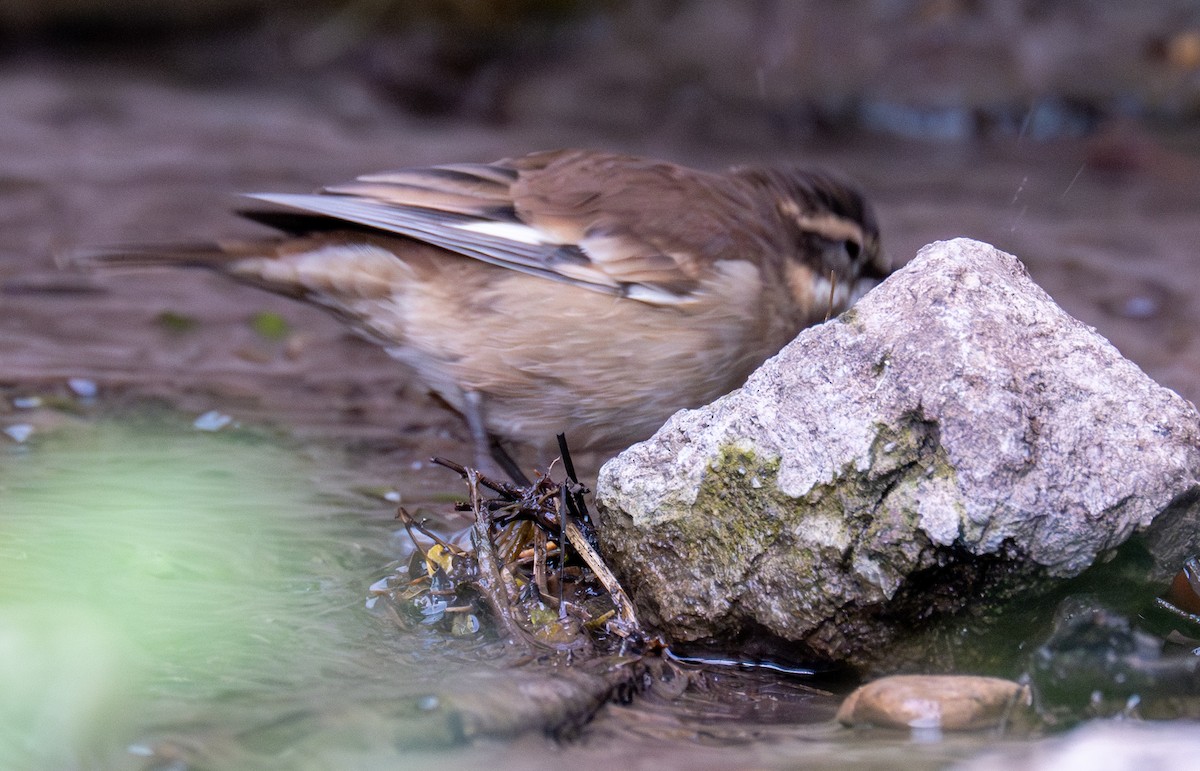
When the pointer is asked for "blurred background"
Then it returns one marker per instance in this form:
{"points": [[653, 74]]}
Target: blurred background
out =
{"points": [[1064, 131], [746, 72]]}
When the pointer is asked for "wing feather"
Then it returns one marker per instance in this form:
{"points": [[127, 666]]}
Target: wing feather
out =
{"points": [[593, 220], [454, 232]]}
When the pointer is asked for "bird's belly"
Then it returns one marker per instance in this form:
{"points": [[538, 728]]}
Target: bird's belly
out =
{"points": [[604, 396], [547, 358]]}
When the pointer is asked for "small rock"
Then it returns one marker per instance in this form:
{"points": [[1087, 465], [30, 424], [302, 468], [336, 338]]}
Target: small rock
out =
{"points": [[212, 421], [19, 432], [945, 702], [83, 388]]}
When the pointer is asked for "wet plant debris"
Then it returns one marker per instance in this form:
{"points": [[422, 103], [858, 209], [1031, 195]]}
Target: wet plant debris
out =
{"points": [[532, 572]]}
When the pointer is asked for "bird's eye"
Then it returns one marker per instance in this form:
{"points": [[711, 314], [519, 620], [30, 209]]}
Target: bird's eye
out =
{"points": [[853, 248]]}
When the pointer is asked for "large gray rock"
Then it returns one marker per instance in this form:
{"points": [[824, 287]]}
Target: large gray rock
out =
{"points": [[953, 437]]}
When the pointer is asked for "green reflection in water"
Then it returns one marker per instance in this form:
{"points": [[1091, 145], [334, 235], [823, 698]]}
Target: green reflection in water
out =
{"points": [[153, 576]]}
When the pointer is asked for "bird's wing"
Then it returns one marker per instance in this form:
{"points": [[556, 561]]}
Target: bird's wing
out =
{"points": [[615, 224]]}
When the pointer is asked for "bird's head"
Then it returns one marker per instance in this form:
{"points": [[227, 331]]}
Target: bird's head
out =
{"points": [[832, 250]]}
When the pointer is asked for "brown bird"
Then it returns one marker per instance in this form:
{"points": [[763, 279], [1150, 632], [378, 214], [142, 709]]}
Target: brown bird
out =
{"points": [[567, 291]]}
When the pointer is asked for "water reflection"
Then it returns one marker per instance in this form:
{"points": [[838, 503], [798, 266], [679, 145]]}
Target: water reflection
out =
{"points": [[158, 580]]}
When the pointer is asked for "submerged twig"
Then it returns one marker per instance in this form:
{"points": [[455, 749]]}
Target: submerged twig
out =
{"points": [[593, 559], [508, 569], [562, 538], [490, 582], [575, 502], [539, 563], [507, 489]]}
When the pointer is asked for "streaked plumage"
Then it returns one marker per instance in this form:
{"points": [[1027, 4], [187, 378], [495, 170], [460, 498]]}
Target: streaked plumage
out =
{"points": [[570, 291]]}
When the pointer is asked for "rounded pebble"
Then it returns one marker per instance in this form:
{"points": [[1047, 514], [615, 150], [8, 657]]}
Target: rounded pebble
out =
{"points": [[946, 702]]}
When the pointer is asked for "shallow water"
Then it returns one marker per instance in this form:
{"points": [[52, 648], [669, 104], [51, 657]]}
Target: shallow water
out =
{"points": [[155, 579], [169, 595]]}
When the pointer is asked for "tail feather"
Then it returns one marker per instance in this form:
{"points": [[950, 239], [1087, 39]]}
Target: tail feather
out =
{"points": [[212, 255]]}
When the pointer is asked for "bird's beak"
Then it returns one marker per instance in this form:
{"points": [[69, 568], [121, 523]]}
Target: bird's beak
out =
{"points": [[879, 267], [873, 274]]}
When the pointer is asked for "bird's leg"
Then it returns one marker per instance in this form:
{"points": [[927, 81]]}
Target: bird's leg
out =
{"points": [[507, 464], [473, 412], [487, 445]]}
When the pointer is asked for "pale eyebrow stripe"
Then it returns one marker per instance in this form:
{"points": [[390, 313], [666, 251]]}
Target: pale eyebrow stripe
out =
{"points": [[831, 226]]}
